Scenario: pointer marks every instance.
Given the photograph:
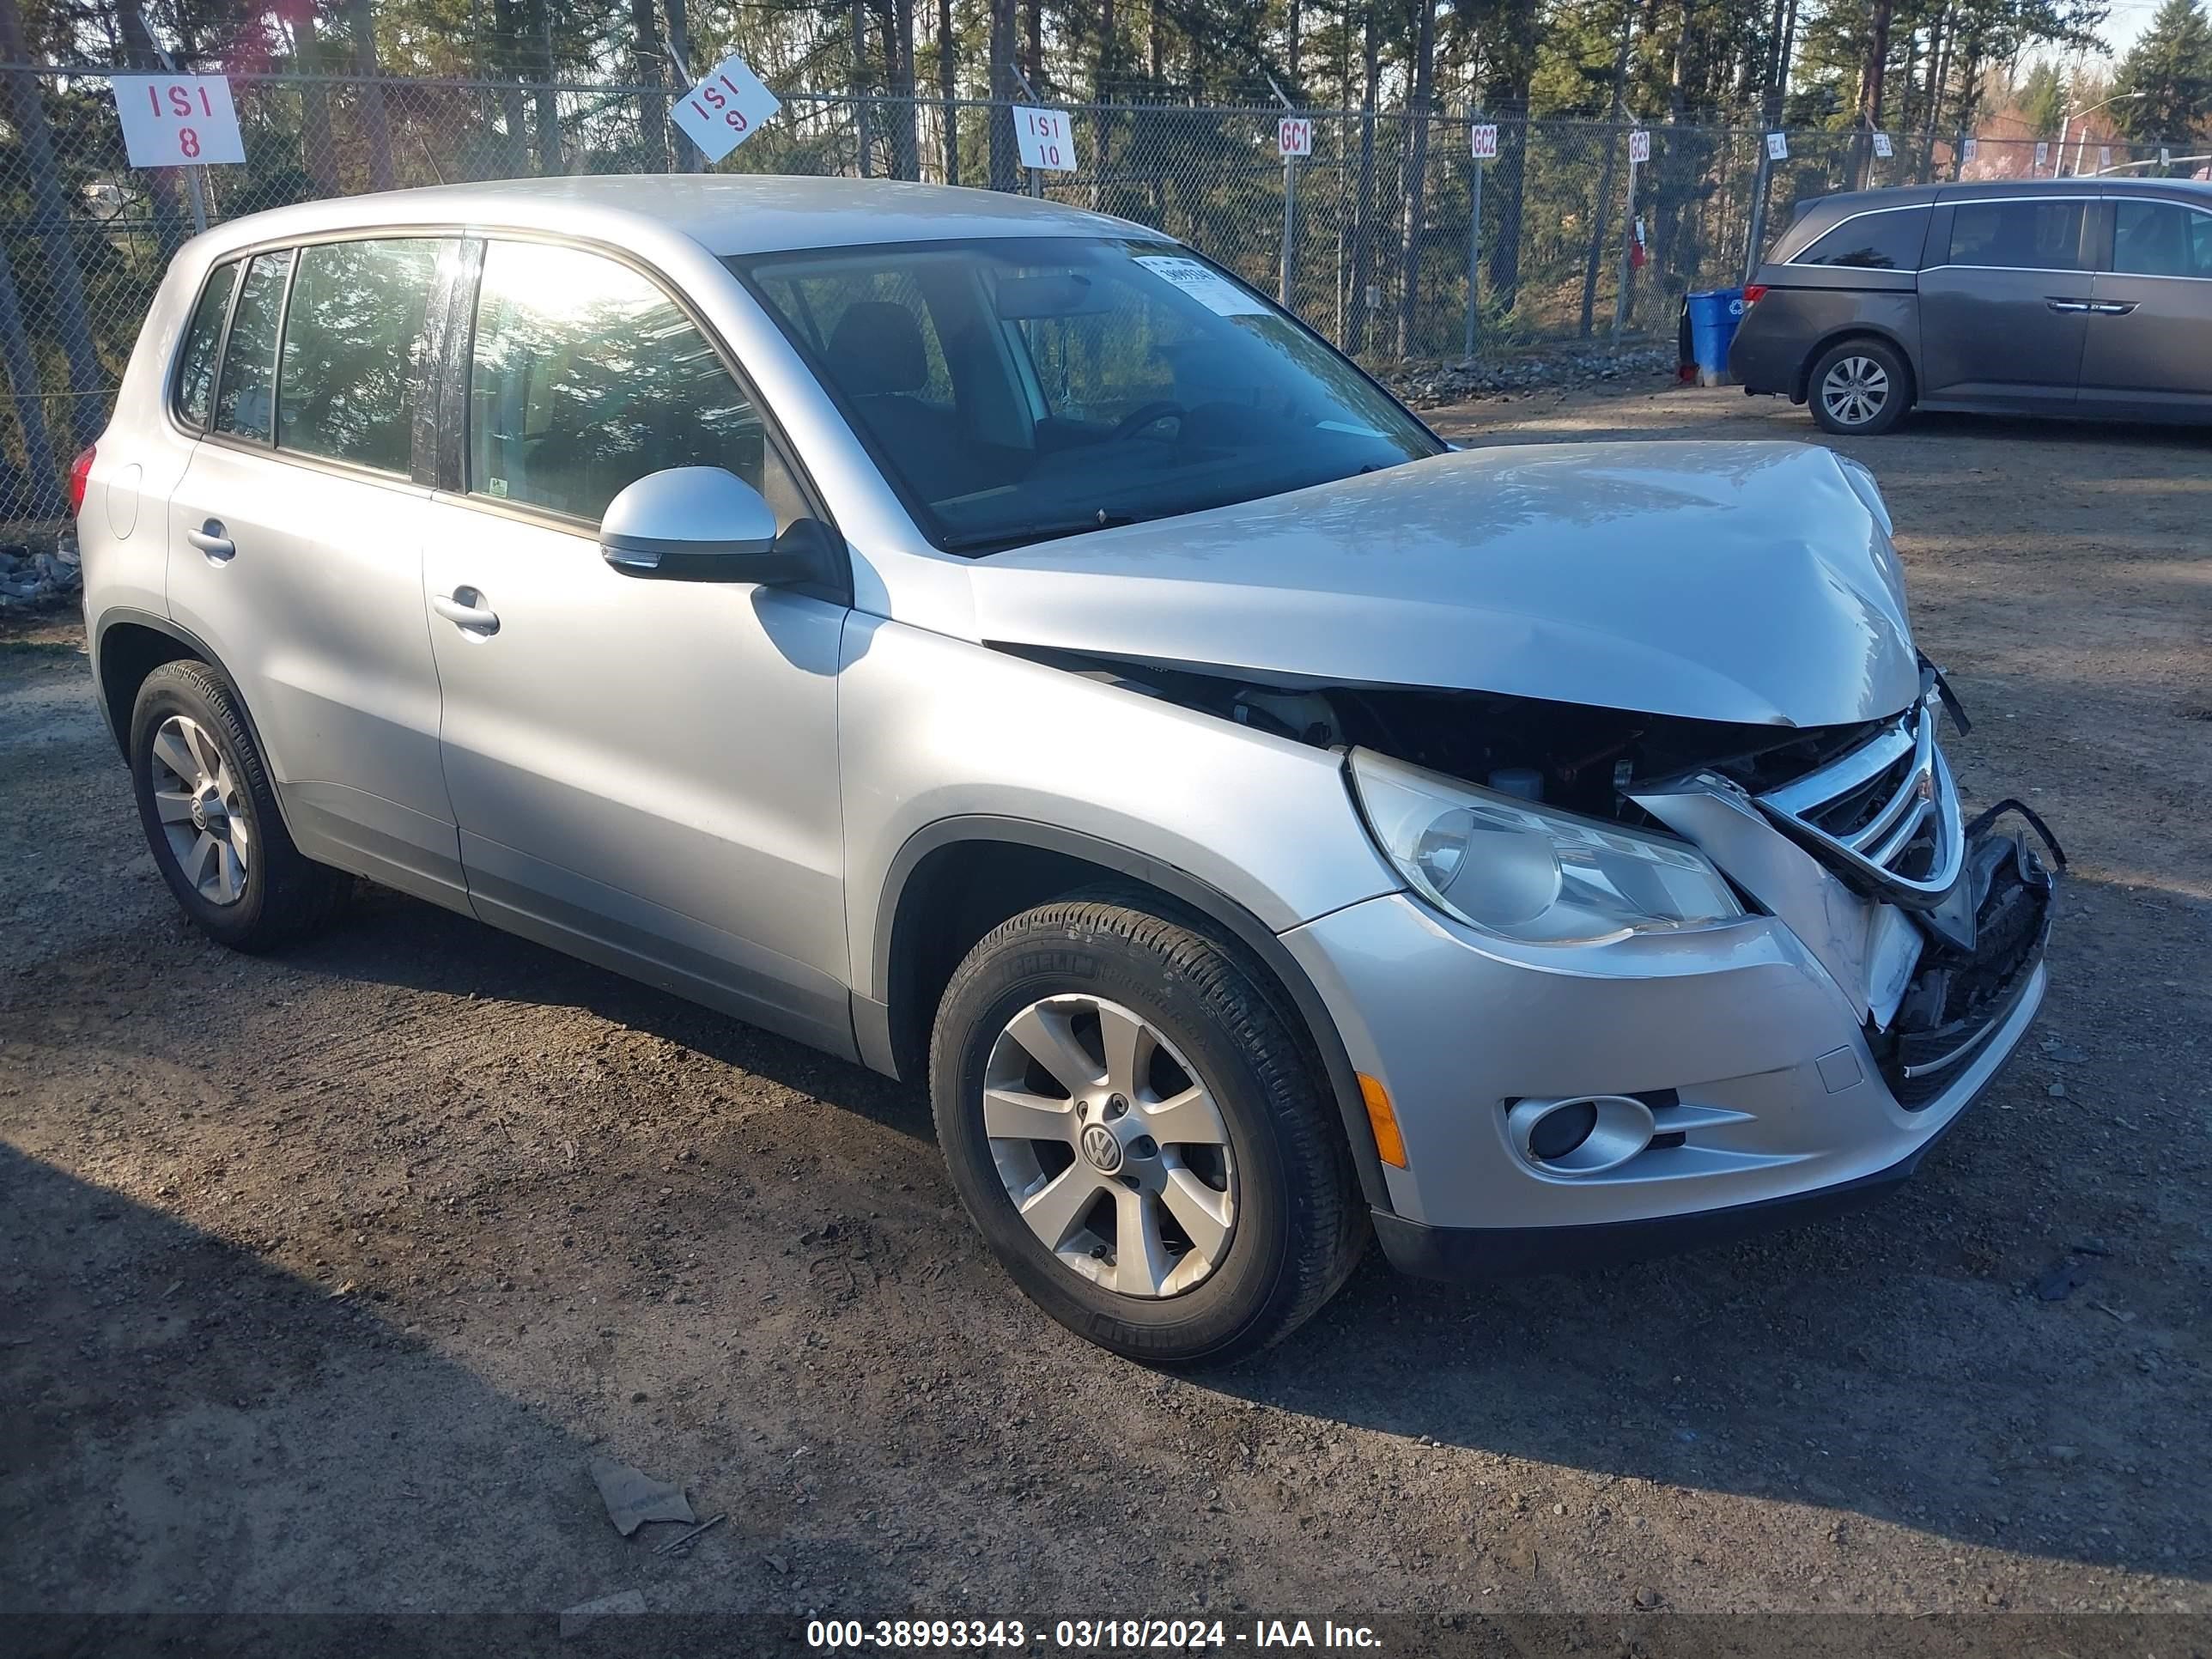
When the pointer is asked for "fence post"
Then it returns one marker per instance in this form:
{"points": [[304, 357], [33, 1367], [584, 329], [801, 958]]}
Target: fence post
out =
{"points": [[42, 474], [1757, 211], [1474, 239], [1627, 246], [1290, 197]]}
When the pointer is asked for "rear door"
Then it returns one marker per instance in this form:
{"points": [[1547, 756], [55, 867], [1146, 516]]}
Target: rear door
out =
{"points": [[2004, 307], [2150, 321], [295, 551]]}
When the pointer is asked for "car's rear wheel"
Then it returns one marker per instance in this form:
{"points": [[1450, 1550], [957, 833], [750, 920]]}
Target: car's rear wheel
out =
{"points": [[211, 815], [1859, 388], [1140, 1132]]}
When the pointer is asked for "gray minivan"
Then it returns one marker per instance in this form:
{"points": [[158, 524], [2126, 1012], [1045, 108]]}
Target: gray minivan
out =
{"points": [[2048, 296]]}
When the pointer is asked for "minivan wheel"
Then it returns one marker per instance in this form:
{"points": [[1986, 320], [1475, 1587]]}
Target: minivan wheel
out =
{"points": [[210, 816], [1140, 1132], [1859, 388]]}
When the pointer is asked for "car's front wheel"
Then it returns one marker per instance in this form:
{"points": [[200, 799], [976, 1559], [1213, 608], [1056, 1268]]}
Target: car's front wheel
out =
{"points": [[1141, 1133], [1859, 388]]}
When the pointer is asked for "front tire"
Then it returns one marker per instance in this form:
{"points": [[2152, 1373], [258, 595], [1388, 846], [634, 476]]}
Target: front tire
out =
{"points": [[210, 816], [1142, 1133], [1859, 389]]}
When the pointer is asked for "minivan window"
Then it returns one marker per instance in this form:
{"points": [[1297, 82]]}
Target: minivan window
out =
{"points": [[244, 401], [2160, 239], [586, 377], [1887, 240], [203, 335], [353, 351], [2017, 235], [1087, 383]]}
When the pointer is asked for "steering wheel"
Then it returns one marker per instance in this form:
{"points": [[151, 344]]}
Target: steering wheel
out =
{"points": [[1151, 414]]}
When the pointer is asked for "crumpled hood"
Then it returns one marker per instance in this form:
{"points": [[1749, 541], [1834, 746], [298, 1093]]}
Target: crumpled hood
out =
{"points": [[1751, 582]]}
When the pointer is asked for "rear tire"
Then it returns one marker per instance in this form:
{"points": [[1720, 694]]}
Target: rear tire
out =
{"points": [[210, 816], [1199, 1245], [1859, 388]]}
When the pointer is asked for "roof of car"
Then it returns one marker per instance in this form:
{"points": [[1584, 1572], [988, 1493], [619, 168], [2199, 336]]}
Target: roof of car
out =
{"points": [[1844, 202], [725, 213]]}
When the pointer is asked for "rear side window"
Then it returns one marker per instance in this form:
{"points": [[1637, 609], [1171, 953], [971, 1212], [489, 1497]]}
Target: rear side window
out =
{"points": [[353, 351], [586, 377], [2160, 239], [245, 400], [1889, 240], [2021, 235], [196, 369]]}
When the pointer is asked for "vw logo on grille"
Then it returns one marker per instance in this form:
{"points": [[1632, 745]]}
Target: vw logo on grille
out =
{"points": [[1101, 1147]]}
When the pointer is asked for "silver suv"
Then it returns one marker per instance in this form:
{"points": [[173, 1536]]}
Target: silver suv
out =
{"points": [[989, 643]]}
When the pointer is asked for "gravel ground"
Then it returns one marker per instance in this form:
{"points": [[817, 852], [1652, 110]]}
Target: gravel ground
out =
{"points": [[323, 1277]]}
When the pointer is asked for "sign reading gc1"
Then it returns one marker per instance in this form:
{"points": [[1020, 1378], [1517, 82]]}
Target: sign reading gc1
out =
{"points": [[1294, 135], [725, 106], [177, 120]]}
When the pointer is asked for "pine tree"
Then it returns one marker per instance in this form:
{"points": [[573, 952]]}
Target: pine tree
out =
{"points": [[2170, 73]]}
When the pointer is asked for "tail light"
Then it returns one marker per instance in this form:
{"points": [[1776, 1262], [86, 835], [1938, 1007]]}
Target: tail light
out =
{"points": [[1753, 294], [80, 473]]}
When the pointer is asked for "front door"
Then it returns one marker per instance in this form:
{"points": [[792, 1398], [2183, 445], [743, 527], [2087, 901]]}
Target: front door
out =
{"points": [[644, 771], [295, 551], [2150, 326], [2004, 312]]}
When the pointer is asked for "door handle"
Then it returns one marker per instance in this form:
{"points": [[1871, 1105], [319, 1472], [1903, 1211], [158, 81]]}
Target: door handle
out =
{"points": [[2069, 306], [210, 539], [465, 608], [2114, 307]]}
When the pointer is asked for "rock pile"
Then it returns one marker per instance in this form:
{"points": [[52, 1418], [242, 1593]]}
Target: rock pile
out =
{"points": [[1426, 383], [31, 580]]}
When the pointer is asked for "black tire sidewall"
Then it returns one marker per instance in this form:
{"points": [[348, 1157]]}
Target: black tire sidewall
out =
{"points": [[1892, 410], [168, 693], [1213, 1318]]}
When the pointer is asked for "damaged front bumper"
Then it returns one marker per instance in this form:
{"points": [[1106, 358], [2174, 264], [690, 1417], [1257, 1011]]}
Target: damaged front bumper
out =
{"points": [[1768, 1070]]}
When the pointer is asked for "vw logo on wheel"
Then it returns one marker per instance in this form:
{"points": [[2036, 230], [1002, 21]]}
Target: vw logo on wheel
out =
{"points": [[1101, 1147]]}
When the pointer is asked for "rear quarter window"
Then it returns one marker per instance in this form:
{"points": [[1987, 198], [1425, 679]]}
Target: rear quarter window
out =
{"points": [[1889, 239], [202, 336]]}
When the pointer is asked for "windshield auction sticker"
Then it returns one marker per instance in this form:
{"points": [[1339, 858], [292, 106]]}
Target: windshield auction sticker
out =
{"points": [[1208, 287]]}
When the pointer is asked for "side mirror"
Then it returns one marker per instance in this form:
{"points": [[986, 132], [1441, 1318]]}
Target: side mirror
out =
{"points": [[697, 523]]}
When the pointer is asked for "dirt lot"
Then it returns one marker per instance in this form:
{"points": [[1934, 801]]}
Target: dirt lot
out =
{"points": [[325, 1276]]}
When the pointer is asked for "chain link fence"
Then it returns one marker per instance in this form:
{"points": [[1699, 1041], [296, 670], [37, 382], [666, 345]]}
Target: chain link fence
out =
{"points": [[1372, 238]]}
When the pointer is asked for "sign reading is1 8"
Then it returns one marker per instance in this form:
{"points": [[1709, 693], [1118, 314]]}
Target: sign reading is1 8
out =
{"points": [[178, 120]]}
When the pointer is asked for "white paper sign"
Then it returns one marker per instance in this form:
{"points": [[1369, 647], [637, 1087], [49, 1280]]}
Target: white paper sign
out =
{"points": [[1208, 287], [1294, 135], [724, 108], [1777, 146], [178, 120], [2165, 156], [2042, 153], [2103, 156], [1881, 147], [1973, 148], [1639, 147], [1485, 143], [1046, 137]]}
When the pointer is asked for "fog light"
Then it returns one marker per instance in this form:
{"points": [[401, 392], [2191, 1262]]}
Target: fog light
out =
{"points": [[1580, 1135]]}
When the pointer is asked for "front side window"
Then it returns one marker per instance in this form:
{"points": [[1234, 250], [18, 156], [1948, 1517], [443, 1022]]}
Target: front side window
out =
{"points": [[1019, 389], [353, 351], [2160, 239], [245, 402], [2021, 235], [586, 377], [1889, 240], [203, 335]]}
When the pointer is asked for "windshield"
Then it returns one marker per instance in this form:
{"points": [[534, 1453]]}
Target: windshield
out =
{"points": [[1016, 390]]}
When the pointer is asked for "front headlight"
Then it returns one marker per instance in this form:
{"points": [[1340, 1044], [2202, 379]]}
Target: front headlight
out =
{"points": [[1521, 870]]}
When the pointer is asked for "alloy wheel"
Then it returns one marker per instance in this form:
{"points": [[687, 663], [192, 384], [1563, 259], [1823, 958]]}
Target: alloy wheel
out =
{"points": [[1110, 1145], [197, 800], [1855, 390]]}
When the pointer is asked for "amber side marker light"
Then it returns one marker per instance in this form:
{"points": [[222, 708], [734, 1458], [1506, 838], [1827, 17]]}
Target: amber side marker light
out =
{"points": [[1389, 1145]]}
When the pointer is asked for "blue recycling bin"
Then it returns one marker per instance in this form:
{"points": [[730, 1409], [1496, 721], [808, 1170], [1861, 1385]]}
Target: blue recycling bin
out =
{"points": [[1714, 315]]}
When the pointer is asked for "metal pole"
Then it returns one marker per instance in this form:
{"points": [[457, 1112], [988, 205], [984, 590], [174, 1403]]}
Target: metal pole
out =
{"points": [[1758, 210], [1627, 250], [1036, 179], [1290, 227], [1474, 257], [191, 174]]}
